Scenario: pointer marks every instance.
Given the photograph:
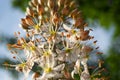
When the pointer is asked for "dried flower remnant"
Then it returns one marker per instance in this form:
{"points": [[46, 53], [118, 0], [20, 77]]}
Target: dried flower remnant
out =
{"points": [[57, 37]]}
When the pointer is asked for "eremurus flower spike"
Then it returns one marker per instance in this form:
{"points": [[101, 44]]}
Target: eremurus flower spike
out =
{"points": [[56, 41]]}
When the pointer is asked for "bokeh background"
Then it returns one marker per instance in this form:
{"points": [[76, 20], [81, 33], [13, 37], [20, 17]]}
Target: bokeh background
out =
{"points": [[102, 15]]}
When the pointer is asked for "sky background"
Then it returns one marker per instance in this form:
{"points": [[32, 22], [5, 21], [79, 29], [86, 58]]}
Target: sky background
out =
{"points": [[10, 19]]}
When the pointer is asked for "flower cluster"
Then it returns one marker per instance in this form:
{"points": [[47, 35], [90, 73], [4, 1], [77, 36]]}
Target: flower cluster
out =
{"points": [[56, 41]]}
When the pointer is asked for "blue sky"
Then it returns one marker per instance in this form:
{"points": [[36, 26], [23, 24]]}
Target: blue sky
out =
{"points": [[10, 18]]}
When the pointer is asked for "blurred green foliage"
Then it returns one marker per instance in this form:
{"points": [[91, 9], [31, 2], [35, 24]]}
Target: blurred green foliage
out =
{"points": [[20, 4], [113, 61], [106, 11], [14, 74], [7, 39]]}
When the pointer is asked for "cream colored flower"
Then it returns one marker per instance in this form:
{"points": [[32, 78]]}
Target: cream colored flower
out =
{"points": [[50, 68], [56, 41]]}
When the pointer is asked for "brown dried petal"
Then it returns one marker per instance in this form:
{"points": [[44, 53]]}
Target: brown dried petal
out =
{"points": [[55, 19], [65, 10], [86, 49], [84, 35], [67, 75], [99, 53], [14, 57], [79, 22], [67, 2], [95, 41], [35, 2], [36, 75], [29, 11], [97, 47], [40, 9], [51, 4], [23, 24], [29, 20], [73, 13], [17, 46], [27, 35]]}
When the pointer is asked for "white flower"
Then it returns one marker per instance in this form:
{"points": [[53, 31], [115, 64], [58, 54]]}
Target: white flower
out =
{"points": [[68, 55], [85, 76], [25, 68], [76, 68], [56, 38], [50, 68], [52, 72]]}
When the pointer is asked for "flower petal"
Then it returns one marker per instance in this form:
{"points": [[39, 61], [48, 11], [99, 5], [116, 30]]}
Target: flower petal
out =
{"points": [[59, 67]]}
